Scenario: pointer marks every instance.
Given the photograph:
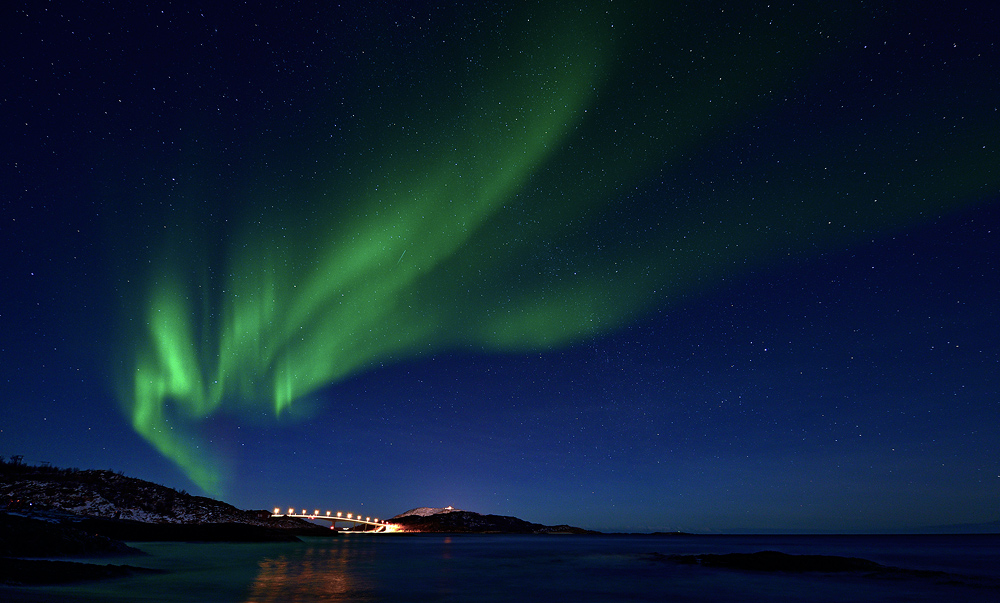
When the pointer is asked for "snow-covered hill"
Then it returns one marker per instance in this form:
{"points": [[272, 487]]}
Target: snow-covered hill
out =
{"points": [[110, 495]]}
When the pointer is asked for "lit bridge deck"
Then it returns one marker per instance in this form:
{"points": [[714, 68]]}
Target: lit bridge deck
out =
{"points": [[376, 524]]}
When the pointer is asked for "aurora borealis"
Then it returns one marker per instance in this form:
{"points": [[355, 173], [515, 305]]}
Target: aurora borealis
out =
{"points": [[566, 253], [296, 313]]}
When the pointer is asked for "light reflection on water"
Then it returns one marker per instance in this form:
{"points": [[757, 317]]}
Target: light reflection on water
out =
{"points": [[328, 574], [525, 569]]}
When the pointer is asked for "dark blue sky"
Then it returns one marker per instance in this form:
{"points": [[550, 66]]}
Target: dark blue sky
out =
{"points": [[626, 266]]}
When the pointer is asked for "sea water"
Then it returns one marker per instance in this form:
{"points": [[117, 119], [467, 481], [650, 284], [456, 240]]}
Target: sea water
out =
{"points": [[484, 568]]}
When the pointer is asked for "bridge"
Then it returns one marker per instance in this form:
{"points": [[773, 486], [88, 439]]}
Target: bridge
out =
{"points": [[376, 524]]}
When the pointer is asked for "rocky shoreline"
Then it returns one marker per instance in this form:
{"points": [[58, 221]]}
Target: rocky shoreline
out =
{"points": [[53, 513], [27, 544], [136, 531], [22, 536]]}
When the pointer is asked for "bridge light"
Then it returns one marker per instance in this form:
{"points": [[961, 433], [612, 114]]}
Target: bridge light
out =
{"points": [[376, 520], [276, 510], [316, 512], [303, 511], [291, 511], [350, 515], [368, 518], [339, 513], [327, 513]]}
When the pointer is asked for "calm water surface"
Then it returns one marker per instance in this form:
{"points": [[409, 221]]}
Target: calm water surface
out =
{"points": [[461, 568]]}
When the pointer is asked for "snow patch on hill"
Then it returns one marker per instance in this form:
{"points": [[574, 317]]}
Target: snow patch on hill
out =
{"points": [[428, 511]]}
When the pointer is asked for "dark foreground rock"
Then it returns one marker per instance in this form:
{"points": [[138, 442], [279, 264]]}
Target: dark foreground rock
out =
{"points": [[776, 562], [36, 572], [773, 561], [31, 537]]}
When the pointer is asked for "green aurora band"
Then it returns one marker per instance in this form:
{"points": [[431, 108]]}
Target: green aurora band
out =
{"points": [[511, 227]]}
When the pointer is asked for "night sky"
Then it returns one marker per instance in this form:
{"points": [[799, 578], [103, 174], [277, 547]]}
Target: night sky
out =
{"points": [[639, 266]]}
